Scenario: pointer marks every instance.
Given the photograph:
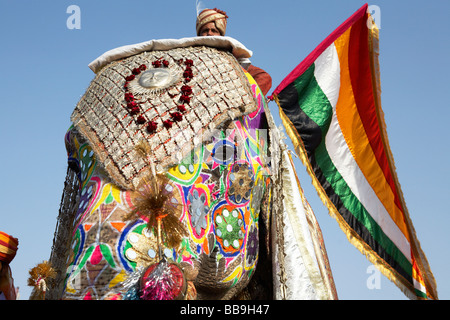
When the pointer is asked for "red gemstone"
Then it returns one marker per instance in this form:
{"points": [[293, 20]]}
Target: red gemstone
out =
{"points": [[184, 98], [140, 120], [168, 124], [129, 97], [134, 110], [131, 104], [187, 74], [187, 90], [176, 116], [151, 127]]}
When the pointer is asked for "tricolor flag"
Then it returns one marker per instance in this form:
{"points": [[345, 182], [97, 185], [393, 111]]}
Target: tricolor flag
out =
{"points": [[330, 107]]}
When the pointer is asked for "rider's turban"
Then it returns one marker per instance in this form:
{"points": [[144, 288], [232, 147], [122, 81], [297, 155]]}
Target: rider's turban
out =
{"points": [[8, 247], [217, 16]]}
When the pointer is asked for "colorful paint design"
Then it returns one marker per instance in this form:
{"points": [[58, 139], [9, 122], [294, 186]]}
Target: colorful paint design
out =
{"points": [[220, 186]]}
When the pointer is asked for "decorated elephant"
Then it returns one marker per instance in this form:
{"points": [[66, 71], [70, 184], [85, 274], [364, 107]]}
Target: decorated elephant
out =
{"points": [[174, 184]]}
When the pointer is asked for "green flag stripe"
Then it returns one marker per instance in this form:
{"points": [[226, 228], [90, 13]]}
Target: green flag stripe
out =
{"points": [[312, 100]]}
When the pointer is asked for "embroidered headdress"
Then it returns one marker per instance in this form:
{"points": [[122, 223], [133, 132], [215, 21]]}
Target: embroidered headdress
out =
{"points": [[215, 15]]}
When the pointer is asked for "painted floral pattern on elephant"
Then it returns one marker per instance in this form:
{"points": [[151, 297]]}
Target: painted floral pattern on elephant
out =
{"points": [[219, 186]]}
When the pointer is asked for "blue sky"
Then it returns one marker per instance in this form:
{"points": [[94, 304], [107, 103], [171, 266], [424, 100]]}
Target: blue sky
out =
{"points": [[44, 72]]}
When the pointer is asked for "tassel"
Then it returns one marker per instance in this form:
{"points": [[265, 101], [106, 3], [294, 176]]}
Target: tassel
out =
{"points": [[39, 277], [153, 203], [143, 149]]}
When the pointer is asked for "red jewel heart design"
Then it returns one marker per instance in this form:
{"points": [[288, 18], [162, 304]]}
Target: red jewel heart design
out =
{"points": [[185, 98]]}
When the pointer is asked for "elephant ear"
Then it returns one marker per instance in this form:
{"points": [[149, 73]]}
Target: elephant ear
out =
{"points": [[173, 99]]}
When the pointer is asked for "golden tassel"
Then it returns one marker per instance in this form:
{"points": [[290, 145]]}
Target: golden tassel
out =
{"points": [[153, 203], [38, 279]]}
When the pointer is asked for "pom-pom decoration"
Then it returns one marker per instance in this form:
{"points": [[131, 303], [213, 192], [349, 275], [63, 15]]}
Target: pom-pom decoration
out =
{"points": [[163, 281], [131, 285]]}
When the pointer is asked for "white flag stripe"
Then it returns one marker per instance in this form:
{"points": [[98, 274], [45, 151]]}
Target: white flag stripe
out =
{"points": [[327, 73]]}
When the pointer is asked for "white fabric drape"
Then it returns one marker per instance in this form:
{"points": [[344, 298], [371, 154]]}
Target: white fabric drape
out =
{"points": [[237, 49]]}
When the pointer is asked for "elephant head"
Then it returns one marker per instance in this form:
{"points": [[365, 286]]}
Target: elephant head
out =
{"points": [[168, 186]]}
